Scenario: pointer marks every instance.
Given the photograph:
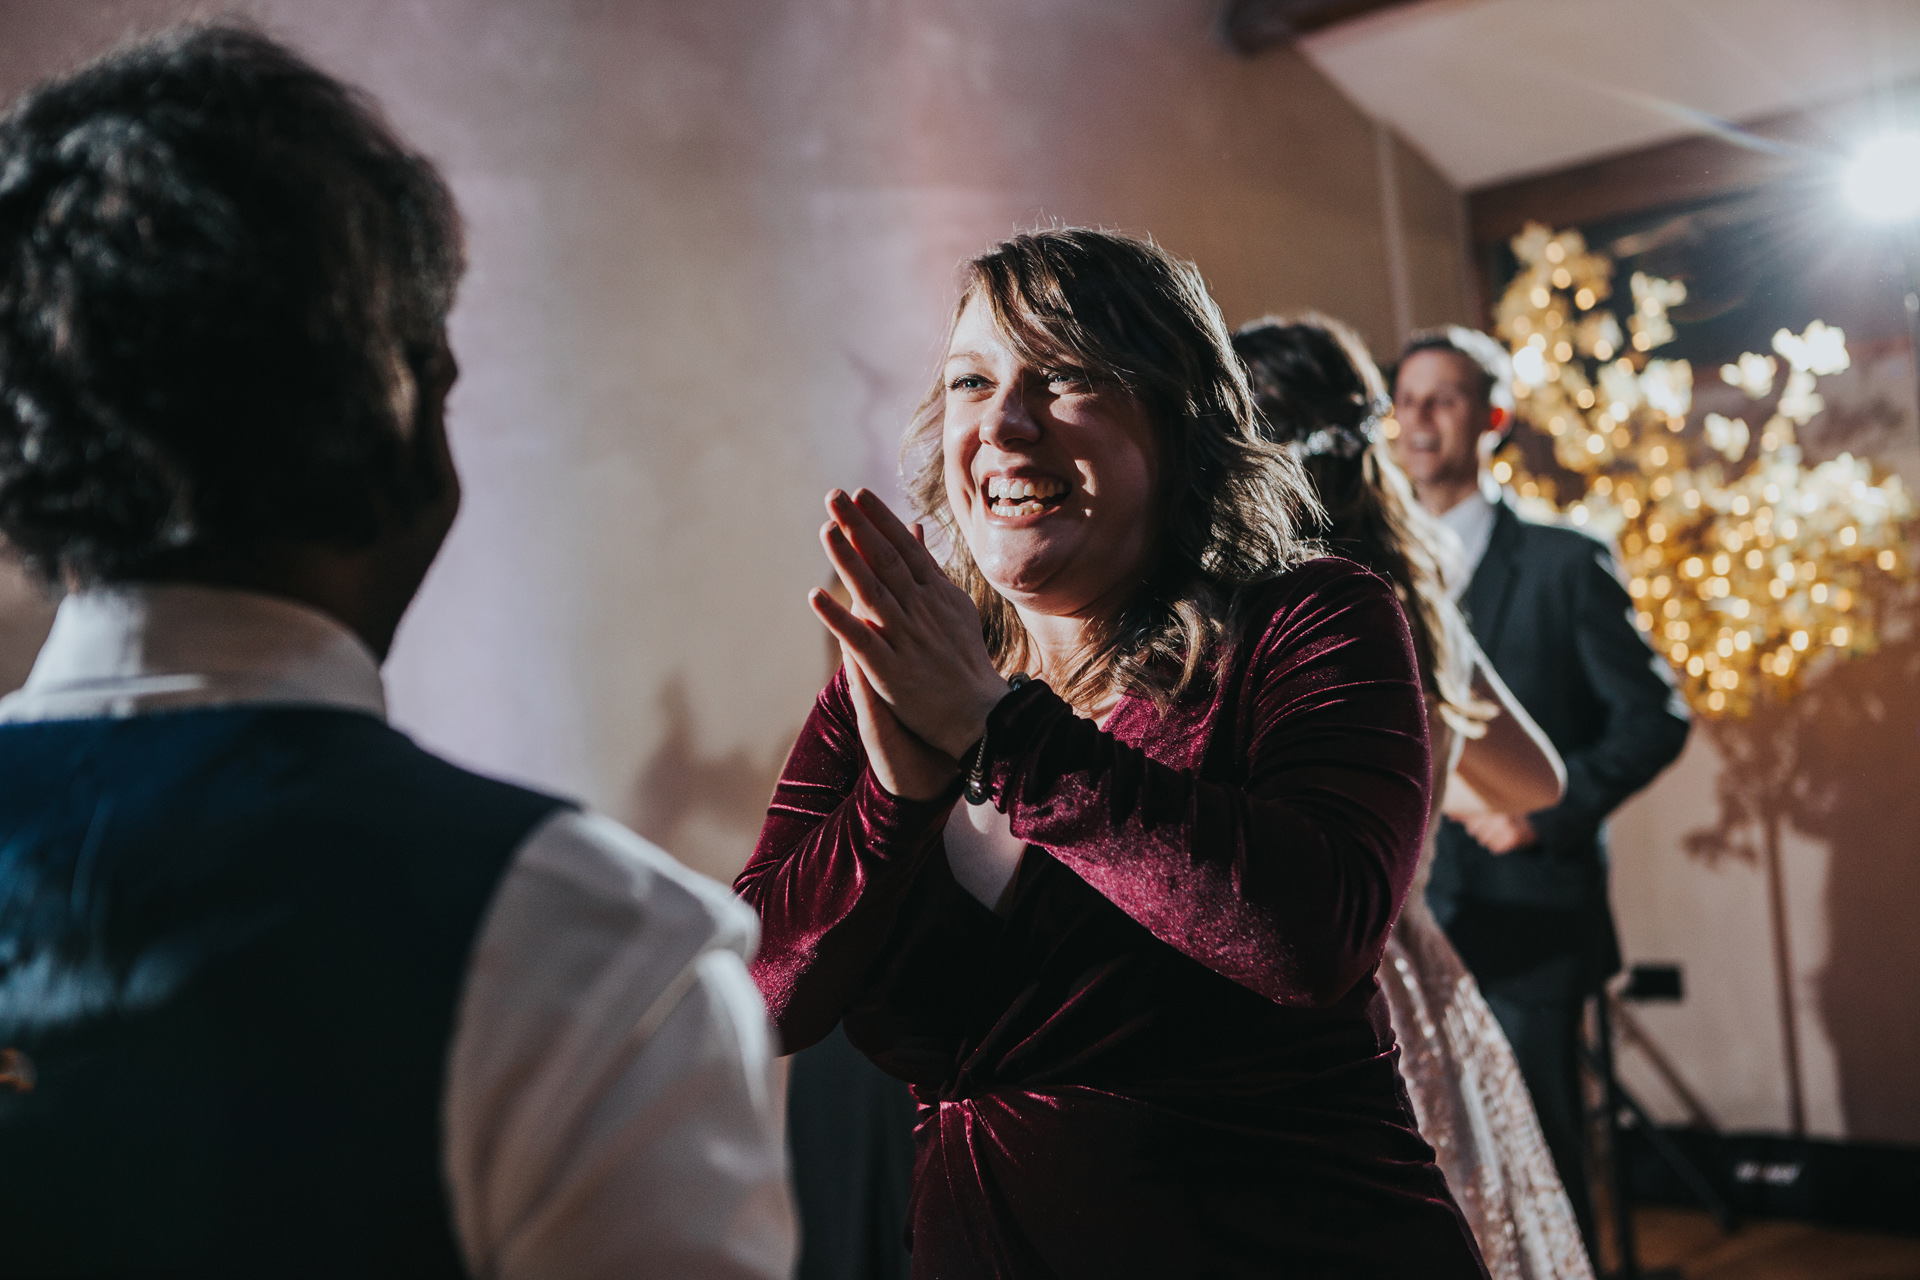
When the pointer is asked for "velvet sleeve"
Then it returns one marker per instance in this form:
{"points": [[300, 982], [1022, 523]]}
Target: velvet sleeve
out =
{"points": [[1286, 877], [837, 854]]}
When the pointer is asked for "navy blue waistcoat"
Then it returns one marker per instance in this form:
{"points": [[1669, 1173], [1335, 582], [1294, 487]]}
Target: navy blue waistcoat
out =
{"points": [[232, 943]]}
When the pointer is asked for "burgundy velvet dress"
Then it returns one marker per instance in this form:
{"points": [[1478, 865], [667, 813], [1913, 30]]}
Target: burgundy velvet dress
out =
{"points": [[1171, 1059]]}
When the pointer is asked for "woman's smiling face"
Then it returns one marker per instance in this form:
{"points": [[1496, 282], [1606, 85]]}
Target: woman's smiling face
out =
{"points": [[1051, 477]]}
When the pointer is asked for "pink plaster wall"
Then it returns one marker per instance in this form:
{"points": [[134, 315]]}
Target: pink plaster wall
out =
{"points": [[713, 248]]}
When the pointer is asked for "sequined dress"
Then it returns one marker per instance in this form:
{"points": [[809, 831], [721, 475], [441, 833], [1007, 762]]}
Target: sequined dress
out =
{"points": [[1468, 1097]]}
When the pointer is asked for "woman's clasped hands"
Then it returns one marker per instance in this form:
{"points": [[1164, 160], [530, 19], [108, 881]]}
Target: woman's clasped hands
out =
{"points": [[917, 665]]}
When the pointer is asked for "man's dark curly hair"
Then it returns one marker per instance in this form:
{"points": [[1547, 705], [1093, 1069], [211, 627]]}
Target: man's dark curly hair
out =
{"points": [[222, 282]]}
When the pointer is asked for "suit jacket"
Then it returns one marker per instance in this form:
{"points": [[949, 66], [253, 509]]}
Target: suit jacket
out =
{"points": [[1547, 605]]}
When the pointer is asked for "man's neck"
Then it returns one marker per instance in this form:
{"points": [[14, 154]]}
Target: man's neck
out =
{"points": [[1442, 496], [354, 588]]}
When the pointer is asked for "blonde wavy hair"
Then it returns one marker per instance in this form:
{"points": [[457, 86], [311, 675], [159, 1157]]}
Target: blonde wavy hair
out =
{"points": [[1128, 315]]}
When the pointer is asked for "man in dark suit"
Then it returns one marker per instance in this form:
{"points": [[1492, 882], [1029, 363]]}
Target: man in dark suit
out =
{"points": [[1524, 896]]}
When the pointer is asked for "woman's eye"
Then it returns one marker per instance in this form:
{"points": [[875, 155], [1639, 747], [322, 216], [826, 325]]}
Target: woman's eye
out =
{"points": [[1067, 377], [967, 382]]}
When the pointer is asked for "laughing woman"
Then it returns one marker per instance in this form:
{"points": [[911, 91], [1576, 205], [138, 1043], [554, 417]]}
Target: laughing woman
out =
{"points": [[1116, 924]]}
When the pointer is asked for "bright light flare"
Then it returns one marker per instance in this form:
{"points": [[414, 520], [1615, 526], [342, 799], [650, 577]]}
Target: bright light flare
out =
{"points": [[1882, 182]]}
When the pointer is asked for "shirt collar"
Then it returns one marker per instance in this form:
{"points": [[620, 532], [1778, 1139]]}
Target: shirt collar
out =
{"points": [[1471, 521], [124, 650]]}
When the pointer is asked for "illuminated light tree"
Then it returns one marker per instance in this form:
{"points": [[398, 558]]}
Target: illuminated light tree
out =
{"points": [[1745, 565]]}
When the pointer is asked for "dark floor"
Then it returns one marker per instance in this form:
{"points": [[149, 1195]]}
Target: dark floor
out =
{"points": [[1685, 1243]]}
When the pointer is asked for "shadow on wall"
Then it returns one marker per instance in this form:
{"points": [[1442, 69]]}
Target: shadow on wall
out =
{"points": [[705, 810], [1841, 765]]}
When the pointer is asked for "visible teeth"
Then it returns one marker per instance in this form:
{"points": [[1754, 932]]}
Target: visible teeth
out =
{"points": [[1001, 487]]}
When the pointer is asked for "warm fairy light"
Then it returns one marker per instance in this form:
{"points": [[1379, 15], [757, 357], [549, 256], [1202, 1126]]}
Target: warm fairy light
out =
{"points": [[1773, 560]]}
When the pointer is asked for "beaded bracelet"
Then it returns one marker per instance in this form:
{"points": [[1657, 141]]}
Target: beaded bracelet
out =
{"points": [[976, 788]]}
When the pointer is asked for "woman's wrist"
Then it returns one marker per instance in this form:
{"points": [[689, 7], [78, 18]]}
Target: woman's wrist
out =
{"points": [[916, 786], [966, 733], [973, 765]]}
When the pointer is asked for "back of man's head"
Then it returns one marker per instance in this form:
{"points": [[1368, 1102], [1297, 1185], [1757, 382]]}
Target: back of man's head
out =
{"points": [[223, 280]]}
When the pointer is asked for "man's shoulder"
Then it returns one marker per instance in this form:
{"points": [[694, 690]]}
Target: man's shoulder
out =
{"points": [[335, 775], [1556, 543], [372, 767], [599, 860], [387, 744]]}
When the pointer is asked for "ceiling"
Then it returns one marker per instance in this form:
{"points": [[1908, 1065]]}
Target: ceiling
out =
{"points": [[1492, 90]]}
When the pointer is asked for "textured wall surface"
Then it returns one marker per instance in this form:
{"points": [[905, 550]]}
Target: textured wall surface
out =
{"points": [[713, 249]]}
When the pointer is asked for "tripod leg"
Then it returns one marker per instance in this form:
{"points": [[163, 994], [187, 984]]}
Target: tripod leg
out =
{"points": [[1678, 1161], [1616, 1167]]}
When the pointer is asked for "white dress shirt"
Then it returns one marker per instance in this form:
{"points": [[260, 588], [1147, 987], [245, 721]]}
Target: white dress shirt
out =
{"points": [[610, 1104], [1471, 521]]}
